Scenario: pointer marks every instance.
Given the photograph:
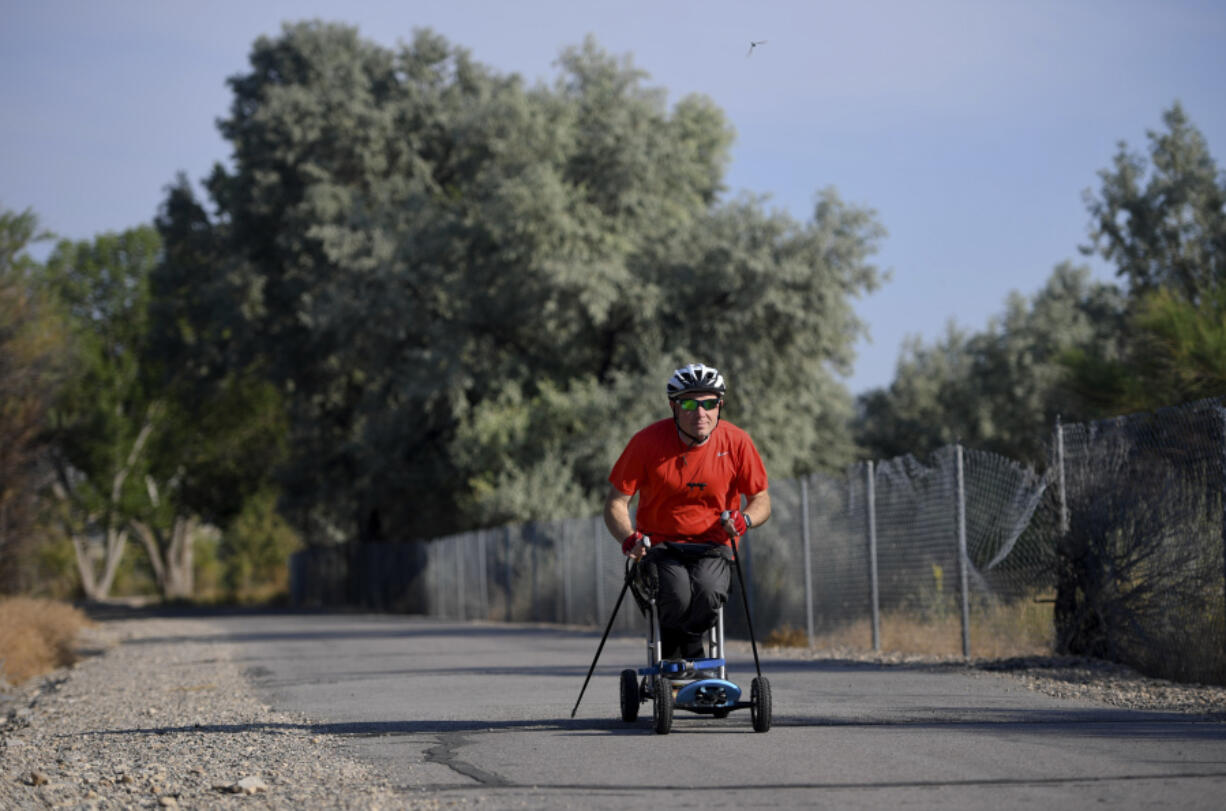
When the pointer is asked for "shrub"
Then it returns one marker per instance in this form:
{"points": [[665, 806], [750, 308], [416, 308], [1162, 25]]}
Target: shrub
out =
{"points": [[37, 636]]}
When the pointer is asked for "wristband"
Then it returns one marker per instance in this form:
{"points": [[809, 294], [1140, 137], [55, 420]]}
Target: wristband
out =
{"points": [[631, 540], [748, 520]]}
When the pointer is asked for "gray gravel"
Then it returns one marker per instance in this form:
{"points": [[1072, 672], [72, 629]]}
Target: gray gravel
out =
{"points": [[163, 717], [149, 724]]}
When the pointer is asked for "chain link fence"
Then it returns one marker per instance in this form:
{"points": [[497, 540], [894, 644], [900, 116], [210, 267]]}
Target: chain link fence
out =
{"points": [[1139, 541], [1116, 550]]}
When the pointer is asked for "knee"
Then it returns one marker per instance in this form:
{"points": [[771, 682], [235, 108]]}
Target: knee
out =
{"points": [[672, 606], [710, 599]]}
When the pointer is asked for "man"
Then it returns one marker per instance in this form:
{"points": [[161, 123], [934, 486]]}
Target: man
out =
{"points": [[688, 470]]}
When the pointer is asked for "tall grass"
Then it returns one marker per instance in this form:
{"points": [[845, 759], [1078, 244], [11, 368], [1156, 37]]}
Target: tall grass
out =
{"points": [[37, 636], [998, 631]]}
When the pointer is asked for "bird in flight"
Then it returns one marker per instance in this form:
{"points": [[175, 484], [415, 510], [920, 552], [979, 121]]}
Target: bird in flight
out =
{"points": [[753, 44]]}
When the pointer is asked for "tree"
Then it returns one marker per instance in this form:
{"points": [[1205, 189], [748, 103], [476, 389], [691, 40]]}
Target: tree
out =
{"points": [[103, 420], [470, 289], [1169, 240], [1167, 229], [31, 345], [143, 444], [1001, 389]]}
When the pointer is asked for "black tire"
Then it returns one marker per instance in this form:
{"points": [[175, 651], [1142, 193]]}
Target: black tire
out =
{"points": [[630, 696], [760, 704], [662, 706]]}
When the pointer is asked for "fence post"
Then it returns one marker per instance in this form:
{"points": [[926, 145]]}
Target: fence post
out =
{"points": [[483, 587], [804, 536], [1221, 415], [458, 545], [564, 570], [1063, 495], [599, 566], [436, 566], [507, 570], [534, 613], [963, 563], [870, 504]]}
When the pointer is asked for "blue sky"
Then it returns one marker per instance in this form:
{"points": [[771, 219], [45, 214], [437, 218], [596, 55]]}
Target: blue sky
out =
{"points": [[972, 128]]}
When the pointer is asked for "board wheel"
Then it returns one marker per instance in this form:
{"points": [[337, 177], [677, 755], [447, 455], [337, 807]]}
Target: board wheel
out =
{"points": [[760, 704], [662, 706], [630, 695]]}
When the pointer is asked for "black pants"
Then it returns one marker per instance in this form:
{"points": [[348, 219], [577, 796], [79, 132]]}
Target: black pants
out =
{"points": [[693, 584]]}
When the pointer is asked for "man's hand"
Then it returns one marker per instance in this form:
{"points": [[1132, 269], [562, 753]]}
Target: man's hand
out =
{"points": [[636, 545], [734, 523]]}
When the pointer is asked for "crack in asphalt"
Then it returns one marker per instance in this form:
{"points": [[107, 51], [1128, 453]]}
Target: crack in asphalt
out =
{"points": [[446, 753]]}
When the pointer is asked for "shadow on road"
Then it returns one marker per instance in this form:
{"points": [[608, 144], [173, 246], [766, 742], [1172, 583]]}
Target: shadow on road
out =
{"points": [[389, 728], [1105, 723]]}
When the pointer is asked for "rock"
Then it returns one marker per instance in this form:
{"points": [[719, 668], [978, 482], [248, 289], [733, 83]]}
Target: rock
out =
{"points": [[250, 785], [37, 778]]}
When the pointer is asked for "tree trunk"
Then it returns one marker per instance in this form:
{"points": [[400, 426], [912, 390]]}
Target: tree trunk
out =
{"points": [[179, 574], [116, 537], [85, 568], [172, 559]]}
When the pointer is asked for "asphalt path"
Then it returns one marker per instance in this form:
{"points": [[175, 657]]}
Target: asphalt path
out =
{"points": [[480, 713]]}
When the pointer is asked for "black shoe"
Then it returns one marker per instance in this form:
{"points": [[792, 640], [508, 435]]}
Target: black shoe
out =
{"points": [[672, 644], [693, 649]]}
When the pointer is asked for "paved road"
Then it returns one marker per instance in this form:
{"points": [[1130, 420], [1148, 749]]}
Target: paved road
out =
{"points": [[481, 712]]}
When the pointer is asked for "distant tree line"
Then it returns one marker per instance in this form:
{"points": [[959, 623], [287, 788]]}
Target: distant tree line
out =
{"points": [[1079, 347], [423, 296]]}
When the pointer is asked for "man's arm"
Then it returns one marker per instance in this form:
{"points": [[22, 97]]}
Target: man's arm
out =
{"points": [[758, 508], [617, 519], [617, 514]]}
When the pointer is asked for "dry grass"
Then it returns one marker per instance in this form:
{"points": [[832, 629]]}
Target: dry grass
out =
{"points": [[997, 632], [37, 636]]}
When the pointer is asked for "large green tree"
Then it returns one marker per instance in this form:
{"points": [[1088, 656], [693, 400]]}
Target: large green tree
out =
{"points": [[470, 289]]}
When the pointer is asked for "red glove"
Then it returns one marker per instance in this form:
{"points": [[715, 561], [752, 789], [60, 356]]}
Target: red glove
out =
{"points": [[740, 521], [632, 541]]}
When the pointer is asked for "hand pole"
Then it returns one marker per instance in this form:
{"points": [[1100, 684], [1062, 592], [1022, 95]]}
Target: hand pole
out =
{"points": [[736, 558], [608, 628]]}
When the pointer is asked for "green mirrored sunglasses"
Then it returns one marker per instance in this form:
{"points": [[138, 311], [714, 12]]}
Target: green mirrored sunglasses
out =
{"points": [[693, 405]]}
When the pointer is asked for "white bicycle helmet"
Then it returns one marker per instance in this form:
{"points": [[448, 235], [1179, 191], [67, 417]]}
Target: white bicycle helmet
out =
{"points": [[696, 378]]}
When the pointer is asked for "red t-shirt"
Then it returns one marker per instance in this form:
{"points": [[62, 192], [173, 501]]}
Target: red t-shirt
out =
{"points": [[683, 490]]}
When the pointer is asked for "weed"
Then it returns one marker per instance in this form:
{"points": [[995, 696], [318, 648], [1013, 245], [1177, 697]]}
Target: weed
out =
{"points": [[37, 636], [998, 630], [787, 637]]}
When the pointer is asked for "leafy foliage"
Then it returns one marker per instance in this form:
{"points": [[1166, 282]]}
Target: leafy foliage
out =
{"points": [[32, 340], [471, 291], [1176, 353], [1167, 229], [141, 445], [1169, 240], [104, 416], [1082, 349], [255, 549], [1001, 389]]}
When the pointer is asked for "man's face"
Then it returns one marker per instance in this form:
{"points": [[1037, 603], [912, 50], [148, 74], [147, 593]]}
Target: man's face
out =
{"points": [[697, 414]]}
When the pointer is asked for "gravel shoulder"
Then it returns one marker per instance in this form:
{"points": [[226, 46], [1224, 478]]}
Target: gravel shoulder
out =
{"points": [[160, 715]]}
